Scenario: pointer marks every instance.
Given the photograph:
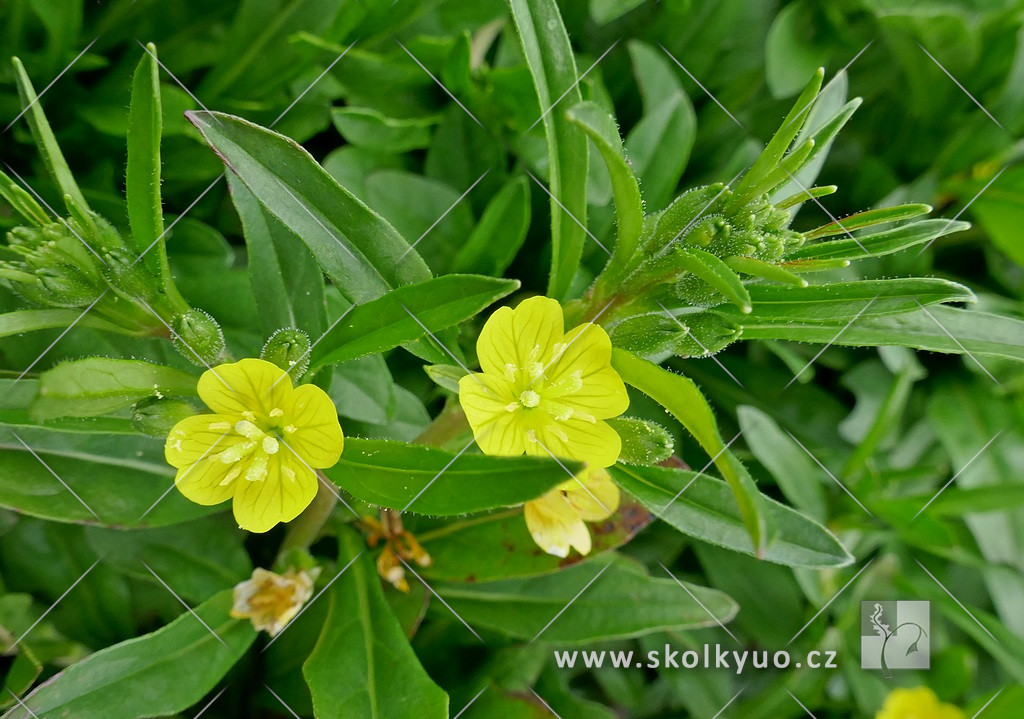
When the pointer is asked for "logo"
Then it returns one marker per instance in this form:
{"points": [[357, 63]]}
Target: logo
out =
{"points": [[895, 635]]}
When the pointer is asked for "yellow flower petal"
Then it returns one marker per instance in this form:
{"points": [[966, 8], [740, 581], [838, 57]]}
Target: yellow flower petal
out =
{"points": [[317, 436], [202, 482], [593, 494], [288, 488], [555, 526], [588, 352], [916, 703], [249, 385], [199, 435], [595, 443], [509, 337]]}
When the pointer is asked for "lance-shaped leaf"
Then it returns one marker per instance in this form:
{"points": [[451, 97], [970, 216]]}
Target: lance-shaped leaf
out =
{"points": [[499, 234], [868, 218], [879, 243], [362, 665], [553, 67], [704, 508], [406, 314], [433, 481], [358, 250], [716, 273], [680, 396], [159, 668], [629, 207], [21, 321]]}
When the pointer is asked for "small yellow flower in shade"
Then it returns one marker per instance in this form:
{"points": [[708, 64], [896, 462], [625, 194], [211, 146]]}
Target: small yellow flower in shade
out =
{"points": [[917, 703], [557, 520], [272, 600], [543, 390], [260, 448]]}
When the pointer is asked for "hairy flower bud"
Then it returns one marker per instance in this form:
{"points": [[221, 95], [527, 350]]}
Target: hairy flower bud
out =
{"points": [[289, 350], [198, 337], [156, 417], [127, 276]]}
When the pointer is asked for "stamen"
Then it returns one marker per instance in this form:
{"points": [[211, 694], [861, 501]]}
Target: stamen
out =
{"points": [[257, 468], [270, 445], [510, 371], [536, 370], [220, 426], [277, 412], [248, 430], [289, 428], [531, 436], [557, 431], [512, 406], [288, 472], [529, 398], [237, 452], [249, 416], [231, 475]]}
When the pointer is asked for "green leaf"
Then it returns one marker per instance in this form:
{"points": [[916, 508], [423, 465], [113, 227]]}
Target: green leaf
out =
{"points": [[704, 508], [680, 396], [446, 375], [879, 243], [362, 665], [668, 122], [629, 206], [793, 469], [499, 234], [385, 323], [158, 668], [1000, 211], [643, 442], [98, 385], [365, 127], [793, 48], [543, 606], [765, 270], [286, 280], [17, 395], [433, 481], [716, 273], [498, 545], [360, 252], [843, 300], [868, 218], [120, 478], [21, 321], [45, 140], [142, 180], [553, 68], [937, 329], [21, 201]]}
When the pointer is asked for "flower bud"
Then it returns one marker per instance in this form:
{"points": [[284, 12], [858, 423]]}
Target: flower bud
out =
{"points": [[708, 334], [156, 417], [643, 442], [198, 337], [127, 276], [289, 350]]}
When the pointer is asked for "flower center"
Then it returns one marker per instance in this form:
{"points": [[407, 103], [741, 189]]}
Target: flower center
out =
{"points": [[259, 441], [529, 399]]}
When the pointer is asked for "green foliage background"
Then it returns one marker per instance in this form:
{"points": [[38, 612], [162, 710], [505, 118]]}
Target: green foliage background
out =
{"points": [[697, 89]]}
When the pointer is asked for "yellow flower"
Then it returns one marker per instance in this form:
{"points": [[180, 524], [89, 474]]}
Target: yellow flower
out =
{"points": [[543, 390], [917, 703], [261, 447], [271, 600], [556, 520]]}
